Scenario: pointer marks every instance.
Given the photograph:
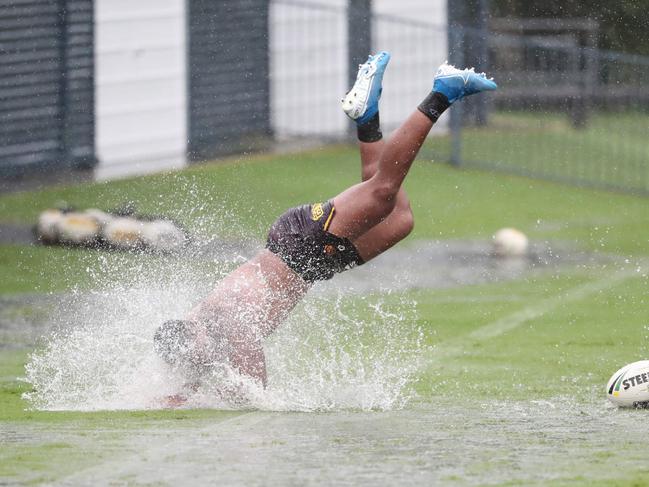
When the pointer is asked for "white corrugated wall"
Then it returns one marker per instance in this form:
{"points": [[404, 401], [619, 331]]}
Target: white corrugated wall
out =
{"points": [[141, 95], [141, 79]]}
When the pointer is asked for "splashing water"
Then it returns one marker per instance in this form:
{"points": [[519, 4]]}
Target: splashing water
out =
{"points": [[331, 354]]}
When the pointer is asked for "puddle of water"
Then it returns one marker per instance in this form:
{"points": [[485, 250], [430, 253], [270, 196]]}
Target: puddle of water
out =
{"points": [[452, 263], [443, 442], [330, 354], [327, 356]]}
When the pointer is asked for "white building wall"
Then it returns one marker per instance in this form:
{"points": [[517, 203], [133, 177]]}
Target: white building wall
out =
{"points": [[141, 79], [141, 94]]}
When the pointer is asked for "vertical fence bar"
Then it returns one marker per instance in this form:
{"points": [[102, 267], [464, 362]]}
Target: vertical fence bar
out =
{"points": [[359, 39], [359, 35], [64, 102], [456, 57]]}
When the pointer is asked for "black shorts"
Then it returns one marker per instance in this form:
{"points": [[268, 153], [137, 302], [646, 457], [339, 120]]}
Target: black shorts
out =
{"points": [[300, 238]]}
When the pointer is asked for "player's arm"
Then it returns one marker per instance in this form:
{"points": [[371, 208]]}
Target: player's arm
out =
{"points": [[247, 356]]}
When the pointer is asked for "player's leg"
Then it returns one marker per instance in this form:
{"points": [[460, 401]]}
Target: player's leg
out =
{"points": [[367, 204], [399, 223]]}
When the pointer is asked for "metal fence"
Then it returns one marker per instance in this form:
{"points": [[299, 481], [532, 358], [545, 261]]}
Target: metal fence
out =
{"points": [[276, 71], [315, 52], [564, 111]]}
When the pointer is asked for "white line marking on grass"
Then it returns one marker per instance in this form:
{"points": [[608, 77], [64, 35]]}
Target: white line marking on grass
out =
{"points": [[512, 321]]}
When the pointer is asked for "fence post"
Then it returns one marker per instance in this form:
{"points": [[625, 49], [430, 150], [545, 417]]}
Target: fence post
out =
{"points": [[359, 38], [64, 83], [359, 35], [76, 85], [456, 57]]}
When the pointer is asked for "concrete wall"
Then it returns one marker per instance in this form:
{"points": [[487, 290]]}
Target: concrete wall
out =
{"points": [[140, 86]]}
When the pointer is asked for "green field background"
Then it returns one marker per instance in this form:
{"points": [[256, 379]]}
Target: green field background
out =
{"points": [[568, 350]]}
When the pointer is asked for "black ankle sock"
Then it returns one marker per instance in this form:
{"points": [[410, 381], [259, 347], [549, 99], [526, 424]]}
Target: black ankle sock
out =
{"points": [[370, 131], [434, 105]]}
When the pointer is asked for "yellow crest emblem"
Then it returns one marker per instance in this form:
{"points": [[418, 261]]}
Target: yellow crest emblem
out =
{"points": [[316, 211]]}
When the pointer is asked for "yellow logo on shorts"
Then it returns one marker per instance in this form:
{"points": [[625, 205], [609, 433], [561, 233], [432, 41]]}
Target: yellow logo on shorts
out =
{"points": [[316, 212]]}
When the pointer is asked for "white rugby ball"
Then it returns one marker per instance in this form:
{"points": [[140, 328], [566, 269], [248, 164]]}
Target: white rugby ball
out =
{"points": [[509, 242], [100, 217], [162, 235], [629, 386]]}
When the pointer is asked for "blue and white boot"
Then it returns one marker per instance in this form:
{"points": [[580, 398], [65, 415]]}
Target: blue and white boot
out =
{"points": [[455, 83], [361, 103]]}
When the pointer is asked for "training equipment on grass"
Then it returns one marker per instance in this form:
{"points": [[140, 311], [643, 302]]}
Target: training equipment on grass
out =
{"points": [[47, 226], [629, 386], [509, 242], [69, 227], [100, 216], [163, 235], [78, 229], [97, 228], [123, 233]]}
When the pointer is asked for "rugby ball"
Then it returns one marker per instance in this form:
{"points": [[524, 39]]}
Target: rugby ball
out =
{"points": [[100, 217], [509, 242], [629, 386], [162, 236]]}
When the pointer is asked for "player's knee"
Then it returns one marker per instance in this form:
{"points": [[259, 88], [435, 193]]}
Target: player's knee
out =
{"points": [[385, 192], [406, 221], [368, 171]]}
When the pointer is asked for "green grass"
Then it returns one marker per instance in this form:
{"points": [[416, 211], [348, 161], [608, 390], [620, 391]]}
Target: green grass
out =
{"points": [[243, 197], [611, 150], [566, 349]]}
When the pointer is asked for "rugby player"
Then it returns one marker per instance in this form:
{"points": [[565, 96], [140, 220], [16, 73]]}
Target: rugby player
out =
{"points": [[313, 242]]}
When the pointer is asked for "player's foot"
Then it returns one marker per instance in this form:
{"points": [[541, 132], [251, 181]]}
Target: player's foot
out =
{"points": [[457, 83], [361, 103]]}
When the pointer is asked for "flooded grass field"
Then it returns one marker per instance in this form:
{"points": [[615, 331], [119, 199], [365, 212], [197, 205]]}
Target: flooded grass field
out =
{"points": [[438, 365]]}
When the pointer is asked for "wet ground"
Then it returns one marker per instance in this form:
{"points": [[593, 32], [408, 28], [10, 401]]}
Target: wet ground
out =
{"points": [[453, 263], [437, 441], [443, 443], [415, 265]]}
